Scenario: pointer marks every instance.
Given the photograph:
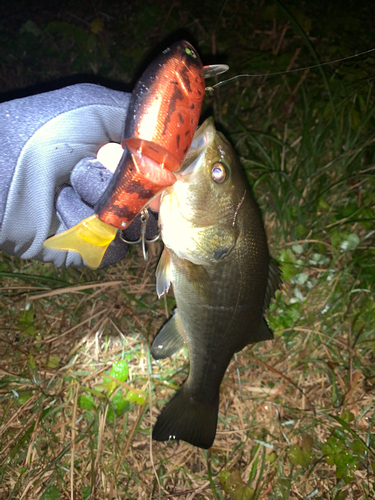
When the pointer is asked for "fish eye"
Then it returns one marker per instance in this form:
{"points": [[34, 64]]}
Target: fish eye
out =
{"points": [[219, 173]]}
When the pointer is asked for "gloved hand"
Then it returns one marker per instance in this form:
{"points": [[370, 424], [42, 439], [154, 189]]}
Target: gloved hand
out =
{"points": [[75, 202], [45, 138]]}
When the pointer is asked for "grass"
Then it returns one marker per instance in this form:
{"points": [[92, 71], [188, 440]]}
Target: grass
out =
{"points": [[296, 414]]}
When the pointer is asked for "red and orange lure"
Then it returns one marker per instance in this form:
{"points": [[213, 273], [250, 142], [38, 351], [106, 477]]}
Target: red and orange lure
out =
{"points": [[162, 118]]}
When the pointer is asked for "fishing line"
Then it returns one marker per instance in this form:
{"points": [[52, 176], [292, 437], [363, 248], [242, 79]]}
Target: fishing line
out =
{"points": [[292, 70]]}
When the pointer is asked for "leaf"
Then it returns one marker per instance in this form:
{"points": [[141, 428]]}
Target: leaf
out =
{"points": [[281, 489], [30, 27], [118, 406], [346, 466], [307, 444], [26, 322], [287, 261], [297, 248], [353, 433], [323, 205], [24, 396], [97, 25], [224, 477], [138, 397], [86, 402], [51, 493], [86, 493], [31, 361], [243, 493], [233, 484], [120, 370], [341, 495], [300, 278], [299, 456], [347, 416], [270, 12], [350, 242], [53, 361]]}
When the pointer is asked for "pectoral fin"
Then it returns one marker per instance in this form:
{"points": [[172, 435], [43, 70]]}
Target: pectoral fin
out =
{"points": [[199, 280], [90, 238], [170, 339], [163, 271]]}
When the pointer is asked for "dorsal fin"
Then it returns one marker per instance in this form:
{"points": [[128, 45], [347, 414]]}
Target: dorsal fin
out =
{"points": [[274, 281], [273, 284]]}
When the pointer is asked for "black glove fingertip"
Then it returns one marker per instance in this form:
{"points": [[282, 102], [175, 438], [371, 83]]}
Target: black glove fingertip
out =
{"points": [[133, 232], [115, 252], [152, 224], [90, 179], [70, 208]]}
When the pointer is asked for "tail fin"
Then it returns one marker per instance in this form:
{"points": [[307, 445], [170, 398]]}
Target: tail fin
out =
{"points": [[90, 238], [189, 420]]}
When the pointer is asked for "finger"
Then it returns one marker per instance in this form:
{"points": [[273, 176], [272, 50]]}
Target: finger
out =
{"points": [[110, 155], [90, 179], [70, 208], [115, 252], [152, 224], [133, 232]]}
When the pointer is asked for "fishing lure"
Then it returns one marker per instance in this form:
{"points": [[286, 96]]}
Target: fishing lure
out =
{"points": [[162, 118]]}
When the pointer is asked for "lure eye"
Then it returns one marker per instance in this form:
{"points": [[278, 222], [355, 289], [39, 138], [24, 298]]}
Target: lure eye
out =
{"points": [[190, 52], [219, 173]]}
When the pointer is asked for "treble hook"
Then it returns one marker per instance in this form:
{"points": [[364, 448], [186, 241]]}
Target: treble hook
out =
{"points": [[142, 239]]}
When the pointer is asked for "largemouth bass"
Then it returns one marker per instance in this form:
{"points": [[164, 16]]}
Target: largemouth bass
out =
{"points": [[217, 259]]}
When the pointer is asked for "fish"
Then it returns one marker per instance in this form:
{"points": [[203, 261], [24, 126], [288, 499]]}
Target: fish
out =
{"points": [[216, 257], [162, 118]]}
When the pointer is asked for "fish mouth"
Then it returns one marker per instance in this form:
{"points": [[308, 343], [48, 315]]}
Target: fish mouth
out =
{"points": [[203, 138]]}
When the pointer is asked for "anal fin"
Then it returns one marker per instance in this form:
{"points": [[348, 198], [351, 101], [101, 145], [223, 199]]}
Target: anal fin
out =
{"points": [[264, 332], [170, 339]]}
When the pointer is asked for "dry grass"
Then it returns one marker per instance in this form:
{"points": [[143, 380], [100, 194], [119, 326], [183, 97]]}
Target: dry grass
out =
{"points": [[272, 396]]}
